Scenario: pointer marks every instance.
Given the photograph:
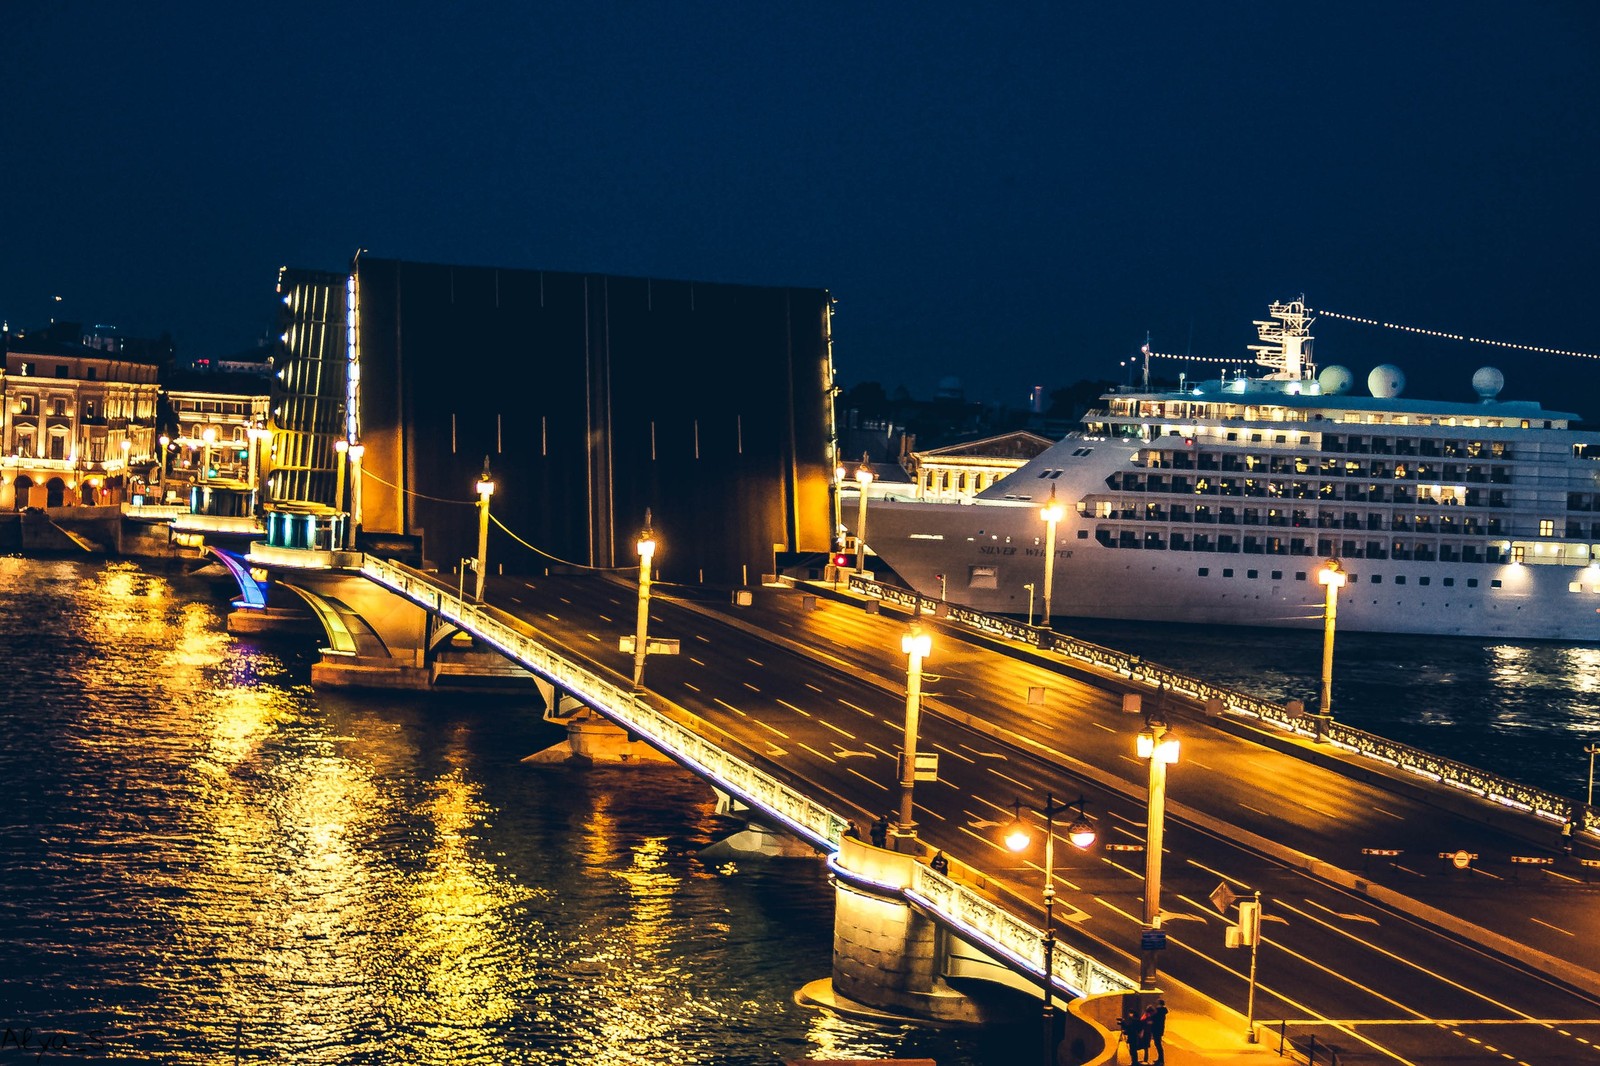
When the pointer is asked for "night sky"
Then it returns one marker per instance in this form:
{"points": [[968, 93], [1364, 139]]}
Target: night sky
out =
{"points": [[1012, 194]]}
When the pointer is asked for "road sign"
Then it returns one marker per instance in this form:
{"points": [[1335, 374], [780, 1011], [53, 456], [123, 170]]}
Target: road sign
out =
{"points": [[1222, 898], [1152, 940], [1459, 859], [1124, 847], [927, 768], [1534, 860], [1380, 851], [652, 645]]}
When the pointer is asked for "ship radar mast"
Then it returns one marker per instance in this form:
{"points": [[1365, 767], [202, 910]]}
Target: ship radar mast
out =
{"points": [[1285, 347]]}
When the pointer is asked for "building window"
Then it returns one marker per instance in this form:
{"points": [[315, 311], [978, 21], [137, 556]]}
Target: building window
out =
{"points": [[1547, 527], [62, 370]]}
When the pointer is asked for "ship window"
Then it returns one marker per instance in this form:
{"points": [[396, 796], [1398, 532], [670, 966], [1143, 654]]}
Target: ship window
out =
{"points": [[982, 577], [1277, 575], [1299, 575], [1227, 572], [1472, 582], [1377, 579], [1495, 583], [1424, 580], [1083, 534], [1401, 580], [1054, 474], [1205, 571], [1449, 582], [1252, 574]]}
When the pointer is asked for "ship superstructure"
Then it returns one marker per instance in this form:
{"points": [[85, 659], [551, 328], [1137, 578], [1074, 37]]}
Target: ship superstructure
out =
{"points": [[1216, 503]]}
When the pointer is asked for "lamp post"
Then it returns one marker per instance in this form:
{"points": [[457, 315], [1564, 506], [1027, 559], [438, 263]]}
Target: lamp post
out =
{"points": [[209, 437], [647, 552], [342, 451], [485, 489], [1029, 587], [1051, 514], [127, 474], [838, 506], [863, 479], [257, 435], [916, 644], [356, 452], [1158, 745], [1333, 577], [1591, 750], [1082, 835], [164, 441]]}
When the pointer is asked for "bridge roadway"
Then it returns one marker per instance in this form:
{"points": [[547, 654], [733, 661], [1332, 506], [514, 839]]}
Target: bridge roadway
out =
{"points": [[816, 693]]}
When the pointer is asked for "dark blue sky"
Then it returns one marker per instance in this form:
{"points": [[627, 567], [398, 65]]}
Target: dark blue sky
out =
{"points": [[1009, 193]]}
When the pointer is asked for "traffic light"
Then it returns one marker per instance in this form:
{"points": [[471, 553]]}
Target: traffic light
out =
{"points": [[841, 560], [1249, 922]]}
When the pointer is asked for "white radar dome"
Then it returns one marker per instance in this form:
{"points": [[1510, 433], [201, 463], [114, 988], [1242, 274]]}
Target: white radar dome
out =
{"points": [[1386, 382], [1488, 382], [1335, 380]]}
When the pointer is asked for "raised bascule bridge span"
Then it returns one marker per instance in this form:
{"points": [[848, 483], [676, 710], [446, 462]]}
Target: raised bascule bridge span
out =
{"points": [[802, 739]]}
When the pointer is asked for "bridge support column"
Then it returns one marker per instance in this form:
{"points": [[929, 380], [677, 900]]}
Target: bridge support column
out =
{"points": [[591, 737], [755, 841], [887, 956]]}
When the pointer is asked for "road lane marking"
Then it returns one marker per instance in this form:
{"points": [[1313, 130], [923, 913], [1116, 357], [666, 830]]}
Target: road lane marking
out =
{"points": [[886, 754], [841, 732], [1264, 989], [1218, 873], [553, 618], [1369, 919], [867, 779], [984, 754], [970, 696], [697, 662], [846, 753], [1258, 810], [853, 707], [592, 637], [1007, 777], [1547, 925], [694, 689], [754, 662], [1394, 957], [781, 733], [958, 755], [795, 709], [704, 640], [752, 688], [818, 754], [603, 618], [564, 600], [814, 688], [731, 707], [1391, 814], [1564, 877]]}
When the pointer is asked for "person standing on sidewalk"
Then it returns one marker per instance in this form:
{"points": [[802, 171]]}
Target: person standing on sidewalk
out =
{"points": [[1158, 1029]]}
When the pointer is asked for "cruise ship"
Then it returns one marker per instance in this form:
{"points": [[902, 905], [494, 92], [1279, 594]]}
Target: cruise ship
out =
{"points": [[1219, 503]]}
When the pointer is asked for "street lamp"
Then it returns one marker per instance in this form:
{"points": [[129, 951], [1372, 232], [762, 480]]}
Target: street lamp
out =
{"points": [[863, 479], [1082, 835], [838, 506], [342, 449], [356, 452], [1332, 577], [647, 552], [257, 434], [1051, 514], [1157, 744], [164, 441], [916, 644], [1029, 587], [1591, 750], [127, 476], [209, 437], [485, 489]]}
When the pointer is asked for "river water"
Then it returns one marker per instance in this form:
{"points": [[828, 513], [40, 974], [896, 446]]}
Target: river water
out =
{"points": [[202, 860]]}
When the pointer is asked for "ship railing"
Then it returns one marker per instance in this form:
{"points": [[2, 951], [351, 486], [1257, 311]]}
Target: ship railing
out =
{"points": [[1290, 718], [969, 912]]}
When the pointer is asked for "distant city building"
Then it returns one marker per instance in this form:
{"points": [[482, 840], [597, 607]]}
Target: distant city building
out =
{"points": [[214, 421], [594, 398], [78, 422], [962, 470]]}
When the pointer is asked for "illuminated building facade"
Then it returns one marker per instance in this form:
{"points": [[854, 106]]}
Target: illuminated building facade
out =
{"points": [[77, 423], [593, 397]]}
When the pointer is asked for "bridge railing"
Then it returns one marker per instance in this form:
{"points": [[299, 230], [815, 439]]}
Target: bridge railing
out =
{"points": [[1133, 668], [972, 914]]}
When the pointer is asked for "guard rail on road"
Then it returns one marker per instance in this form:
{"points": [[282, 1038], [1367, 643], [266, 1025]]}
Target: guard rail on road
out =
{"points": [[971, 914]]}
